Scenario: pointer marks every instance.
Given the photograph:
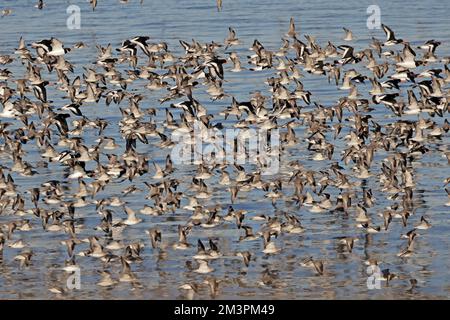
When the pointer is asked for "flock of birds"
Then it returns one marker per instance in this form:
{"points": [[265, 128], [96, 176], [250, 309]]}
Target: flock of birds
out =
{"points": [[30, 120]]}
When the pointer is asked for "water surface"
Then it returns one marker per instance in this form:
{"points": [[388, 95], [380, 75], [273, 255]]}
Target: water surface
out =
{"points": [[267, 21]]}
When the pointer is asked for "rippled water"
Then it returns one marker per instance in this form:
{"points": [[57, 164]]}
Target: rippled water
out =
{"points": [[267, 21]]}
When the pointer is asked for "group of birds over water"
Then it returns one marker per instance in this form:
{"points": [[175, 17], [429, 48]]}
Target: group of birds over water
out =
{"points": [[415, 102]]}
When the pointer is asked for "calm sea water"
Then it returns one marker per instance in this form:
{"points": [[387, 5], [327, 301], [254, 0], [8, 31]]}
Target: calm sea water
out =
{"points": [[267, 21]]}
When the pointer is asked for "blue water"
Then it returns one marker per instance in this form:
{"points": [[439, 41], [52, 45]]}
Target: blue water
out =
{"points": [[345, 277]]}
